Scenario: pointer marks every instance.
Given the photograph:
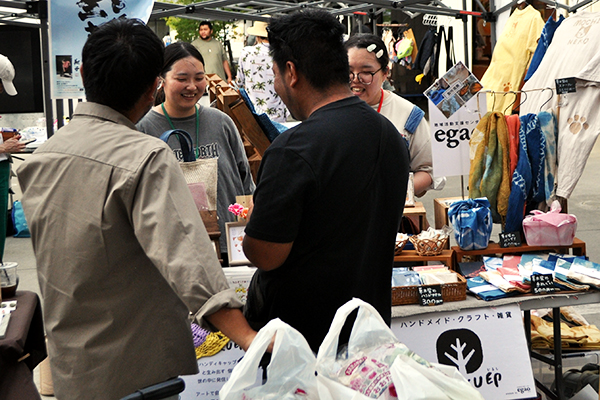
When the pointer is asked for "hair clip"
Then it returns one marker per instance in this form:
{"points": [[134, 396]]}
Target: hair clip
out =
{"points": [[371, 48]]}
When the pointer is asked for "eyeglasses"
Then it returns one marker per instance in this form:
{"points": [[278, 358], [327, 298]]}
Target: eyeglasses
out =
{"points": [[366, 78]]}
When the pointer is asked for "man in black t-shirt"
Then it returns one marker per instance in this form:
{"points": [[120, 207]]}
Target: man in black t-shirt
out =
{"points": [[330, 191]]}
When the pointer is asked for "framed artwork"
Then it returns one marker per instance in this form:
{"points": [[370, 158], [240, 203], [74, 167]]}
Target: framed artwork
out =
{"points": [[235, 236]]}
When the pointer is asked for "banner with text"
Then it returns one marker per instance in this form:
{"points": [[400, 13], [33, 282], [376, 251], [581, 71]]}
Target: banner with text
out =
{"points": [[70, 24], [455, 109], [496, 364]]}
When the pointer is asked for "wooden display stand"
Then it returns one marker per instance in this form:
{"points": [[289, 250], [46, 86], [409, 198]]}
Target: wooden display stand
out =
{"points": [[418, 210], [231, 103], [440, 210], [446, 257], [577, 248]]}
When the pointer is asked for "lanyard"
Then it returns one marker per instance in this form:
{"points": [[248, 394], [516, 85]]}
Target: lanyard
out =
{"points": [[196, 151], [378, 108]]}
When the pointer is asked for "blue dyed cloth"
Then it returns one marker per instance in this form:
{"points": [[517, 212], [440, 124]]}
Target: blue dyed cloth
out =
{"points": [[549, 129], [271, 128], [536, 150], [543, 44], [472, 223], [521, 181], [485, 290]]}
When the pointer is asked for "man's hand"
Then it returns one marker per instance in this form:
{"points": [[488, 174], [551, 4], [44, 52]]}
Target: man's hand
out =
{"points": [[232, 323], [12, 145]]}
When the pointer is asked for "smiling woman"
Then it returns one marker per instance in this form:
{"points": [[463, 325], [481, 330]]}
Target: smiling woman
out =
{"points": [[213, 133], [368, 60]]}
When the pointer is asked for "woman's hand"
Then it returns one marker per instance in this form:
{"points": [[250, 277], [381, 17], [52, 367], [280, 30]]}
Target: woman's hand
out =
{"points": [[12, 145]]}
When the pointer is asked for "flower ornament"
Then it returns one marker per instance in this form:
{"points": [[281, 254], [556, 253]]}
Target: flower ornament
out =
{"points": [[238, 210]]}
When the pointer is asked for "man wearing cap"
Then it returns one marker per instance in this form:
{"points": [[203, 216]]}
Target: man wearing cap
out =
{"points": [[215, 59], [255, 74], [12, 145]]}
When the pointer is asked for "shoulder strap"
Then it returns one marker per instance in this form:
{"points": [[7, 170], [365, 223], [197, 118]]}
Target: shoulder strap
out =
{"points": [[185, 142], [414, 119], [450, 58]]}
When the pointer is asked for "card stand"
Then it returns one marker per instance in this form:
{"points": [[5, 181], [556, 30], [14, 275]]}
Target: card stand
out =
{"points": [[455, 291]]}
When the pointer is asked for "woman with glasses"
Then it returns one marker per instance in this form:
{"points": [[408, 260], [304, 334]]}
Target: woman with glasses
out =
{"points": [[369, 61], [214, 135]]}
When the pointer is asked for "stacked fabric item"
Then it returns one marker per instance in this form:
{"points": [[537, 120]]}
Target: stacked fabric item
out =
{"points": [[575, 331], [511, 275]]}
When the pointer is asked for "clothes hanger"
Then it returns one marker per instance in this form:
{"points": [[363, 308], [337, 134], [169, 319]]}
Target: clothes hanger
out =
{"points": [[521, 103], [511, 104], [547, 101]]}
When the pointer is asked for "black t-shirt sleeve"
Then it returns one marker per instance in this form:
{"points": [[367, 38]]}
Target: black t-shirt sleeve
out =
{"points": [[285, 184]]}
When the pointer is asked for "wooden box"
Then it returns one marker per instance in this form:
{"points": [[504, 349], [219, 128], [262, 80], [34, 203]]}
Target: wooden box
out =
{"points": [[440, 210]]}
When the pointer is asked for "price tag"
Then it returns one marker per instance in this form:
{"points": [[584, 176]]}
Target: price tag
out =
{"points": [[542, 284], [510, 239], [430, 295], [565, 85]]}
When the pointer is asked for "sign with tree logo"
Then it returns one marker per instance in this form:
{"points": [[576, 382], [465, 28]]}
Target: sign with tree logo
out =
{"points": [[486, 345]]}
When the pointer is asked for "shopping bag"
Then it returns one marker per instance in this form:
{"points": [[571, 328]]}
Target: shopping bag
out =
{"points": [[290, 374], [19, 222], [361, 372], [472, 223], [201, 175], [550, 229], [418, 381]]}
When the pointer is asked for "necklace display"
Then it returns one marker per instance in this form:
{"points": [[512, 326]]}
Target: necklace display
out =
{"points": [[196, 149]]}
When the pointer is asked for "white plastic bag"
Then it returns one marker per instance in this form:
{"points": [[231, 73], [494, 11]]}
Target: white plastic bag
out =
{"points": [[416, 381], [409, 377], [370, 336], [290, 374]]}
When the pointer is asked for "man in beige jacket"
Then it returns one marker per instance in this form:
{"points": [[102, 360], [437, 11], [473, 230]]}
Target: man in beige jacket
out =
{"points": [[122, 254]]}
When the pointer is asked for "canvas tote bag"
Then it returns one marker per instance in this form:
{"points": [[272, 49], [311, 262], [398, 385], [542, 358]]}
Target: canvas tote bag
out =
{"points": [[201, 175]]}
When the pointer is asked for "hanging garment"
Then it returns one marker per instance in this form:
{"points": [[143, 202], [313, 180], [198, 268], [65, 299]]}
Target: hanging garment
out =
{"points": [[550, 133], [511, 56], [573, 52], [536, 151], [427, 52], [513, 123], [489, 174], [543, 44], [521, 179]]}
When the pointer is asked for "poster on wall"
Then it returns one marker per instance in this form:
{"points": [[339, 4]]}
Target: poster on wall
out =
{"points": [[70, 23], [497, 365], [455, 108]]}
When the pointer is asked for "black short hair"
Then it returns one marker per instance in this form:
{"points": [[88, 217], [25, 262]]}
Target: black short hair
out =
{"points": [[121, 61], [173, 53], [313, 41], [363, 41], [207, 23]]}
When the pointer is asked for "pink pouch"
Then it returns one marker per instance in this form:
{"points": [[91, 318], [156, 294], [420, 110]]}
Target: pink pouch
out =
{"points": [[551, 228]]}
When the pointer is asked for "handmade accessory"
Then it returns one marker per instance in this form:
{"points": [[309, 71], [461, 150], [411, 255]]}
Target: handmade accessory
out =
{"points": [[472, 223], [550, 229]]}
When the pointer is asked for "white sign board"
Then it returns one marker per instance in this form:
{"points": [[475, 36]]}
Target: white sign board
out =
{"points": [[213, 373], [450, 136], [487, 345]]}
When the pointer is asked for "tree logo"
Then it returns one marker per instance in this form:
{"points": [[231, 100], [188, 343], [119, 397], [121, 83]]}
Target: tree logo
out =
{"points": [[460, 348]]}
